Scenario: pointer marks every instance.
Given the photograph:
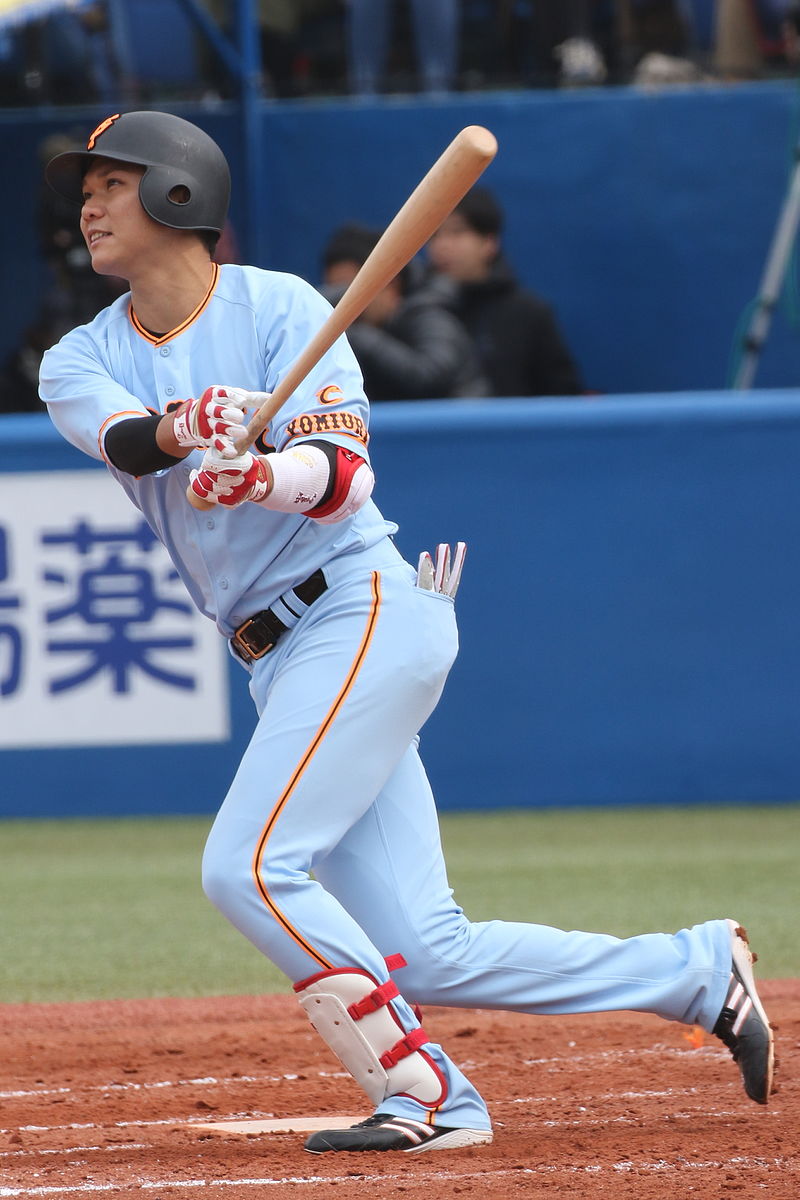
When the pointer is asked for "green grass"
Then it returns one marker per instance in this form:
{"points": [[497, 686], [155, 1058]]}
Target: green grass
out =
{"points": [[114, 908]]}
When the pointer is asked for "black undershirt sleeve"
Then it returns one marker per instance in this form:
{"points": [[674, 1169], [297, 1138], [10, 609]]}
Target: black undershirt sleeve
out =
{"points": [[131, 447]]}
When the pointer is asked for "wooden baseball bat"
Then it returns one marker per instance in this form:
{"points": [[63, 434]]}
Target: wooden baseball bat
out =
{"points": [[434, 198]]}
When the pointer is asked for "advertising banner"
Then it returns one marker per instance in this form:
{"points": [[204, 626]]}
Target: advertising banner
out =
{"points": [[99, 642]]}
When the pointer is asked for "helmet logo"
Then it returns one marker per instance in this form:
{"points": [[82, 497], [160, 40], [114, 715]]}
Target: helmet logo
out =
{"points": [[101, 128]]}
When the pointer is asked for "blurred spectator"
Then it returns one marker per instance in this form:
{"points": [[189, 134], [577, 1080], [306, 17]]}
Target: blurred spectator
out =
{"points": [[750, 35], [409, 346], [12, 68], [515, 332], [65, 57], [320, 65], [301, 44], [74, 294], [19, 374], [79, 44], [654, 43], [436, 40], [565, 48], [582, 43], [279, 22], [60, 239], [691, 40], [790, 32]]}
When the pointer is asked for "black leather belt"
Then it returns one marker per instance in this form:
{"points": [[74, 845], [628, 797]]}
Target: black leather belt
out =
{"points": [[256, 636]]}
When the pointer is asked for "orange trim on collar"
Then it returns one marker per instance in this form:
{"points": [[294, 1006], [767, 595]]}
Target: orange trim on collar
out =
{"points": [[166, 337]]}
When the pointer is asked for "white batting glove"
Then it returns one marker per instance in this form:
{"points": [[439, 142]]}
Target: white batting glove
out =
{"points": [[215, 418], [231, 481], [442, 575]]}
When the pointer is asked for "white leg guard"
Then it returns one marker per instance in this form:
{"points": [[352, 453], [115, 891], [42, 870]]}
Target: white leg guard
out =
{"points": [[353, 1014]]}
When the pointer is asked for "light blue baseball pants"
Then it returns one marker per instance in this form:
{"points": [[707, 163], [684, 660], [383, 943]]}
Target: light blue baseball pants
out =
{"points": [[326, 851]]}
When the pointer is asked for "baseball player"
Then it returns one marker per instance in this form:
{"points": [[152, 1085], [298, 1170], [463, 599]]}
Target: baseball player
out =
{"points": [[325, 853]]}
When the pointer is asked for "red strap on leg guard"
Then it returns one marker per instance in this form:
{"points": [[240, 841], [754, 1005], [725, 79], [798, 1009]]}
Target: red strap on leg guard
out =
{"points": [[394, 962], [400, 1050], [375, 1000]]}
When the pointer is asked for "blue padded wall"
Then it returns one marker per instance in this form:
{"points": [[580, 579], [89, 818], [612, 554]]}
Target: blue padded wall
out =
{"points": [[628, 613]]}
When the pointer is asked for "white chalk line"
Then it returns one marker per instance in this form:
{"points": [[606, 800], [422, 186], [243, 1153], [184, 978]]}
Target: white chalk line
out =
{"points": [[228, 1081], [291, 1077], [160, 1084], [658, 1051], [609, 1097], [142, 1124], [659, 1166], [699, 1093], [600, 1122], [77, 1150]]}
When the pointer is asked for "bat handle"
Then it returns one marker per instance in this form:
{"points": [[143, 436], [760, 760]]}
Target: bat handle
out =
{"points": [[241, 442]]}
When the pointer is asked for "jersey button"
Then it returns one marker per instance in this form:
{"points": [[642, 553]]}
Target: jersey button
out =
{"points": [[164, 352], [210, 523], [169, 390], [223, 583]]}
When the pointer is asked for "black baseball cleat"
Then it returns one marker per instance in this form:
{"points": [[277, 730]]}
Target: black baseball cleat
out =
{"points": [[387, 1132], [743, 1025]]}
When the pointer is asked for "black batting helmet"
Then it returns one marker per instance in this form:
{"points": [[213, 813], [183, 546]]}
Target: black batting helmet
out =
{"points": [[186, 183]]}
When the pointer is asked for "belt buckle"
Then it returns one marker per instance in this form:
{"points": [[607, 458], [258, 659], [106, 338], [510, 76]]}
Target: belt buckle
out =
{"points": [[245, 650]]}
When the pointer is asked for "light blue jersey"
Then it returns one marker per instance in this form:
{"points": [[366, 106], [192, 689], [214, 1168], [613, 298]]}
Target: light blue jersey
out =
{"points": [[247, 332]]}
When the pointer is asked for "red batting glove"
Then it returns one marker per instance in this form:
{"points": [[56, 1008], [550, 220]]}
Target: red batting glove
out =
{"points": [[231, 482], [212, 420]]}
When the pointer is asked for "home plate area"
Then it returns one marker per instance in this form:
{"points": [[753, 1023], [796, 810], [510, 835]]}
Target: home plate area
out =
{"points": [[280, 1125], [183, 1098]]}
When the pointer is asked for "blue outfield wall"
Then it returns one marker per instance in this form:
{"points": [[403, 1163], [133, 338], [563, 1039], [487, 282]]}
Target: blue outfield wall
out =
{"points": [[628, 615], [645, 218]]}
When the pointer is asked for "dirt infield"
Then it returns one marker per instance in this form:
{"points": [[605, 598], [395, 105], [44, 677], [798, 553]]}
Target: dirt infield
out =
{"points": [[110, 1098]]}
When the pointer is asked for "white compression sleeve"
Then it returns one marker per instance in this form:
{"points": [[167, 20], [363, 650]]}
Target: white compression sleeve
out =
{"points": [[300, 476]]}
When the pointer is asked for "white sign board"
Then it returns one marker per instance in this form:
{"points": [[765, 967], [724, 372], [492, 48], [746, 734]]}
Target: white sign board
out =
{"points": [[99, 642]]}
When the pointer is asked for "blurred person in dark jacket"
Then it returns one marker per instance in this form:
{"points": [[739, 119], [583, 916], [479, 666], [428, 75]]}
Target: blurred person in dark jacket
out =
{"points": [[72, 294], [521, 348], [408, 344]]}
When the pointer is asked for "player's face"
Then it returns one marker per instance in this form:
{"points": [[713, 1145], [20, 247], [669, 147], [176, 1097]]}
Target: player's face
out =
{"points": [[114, 225], [459, 251]]}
